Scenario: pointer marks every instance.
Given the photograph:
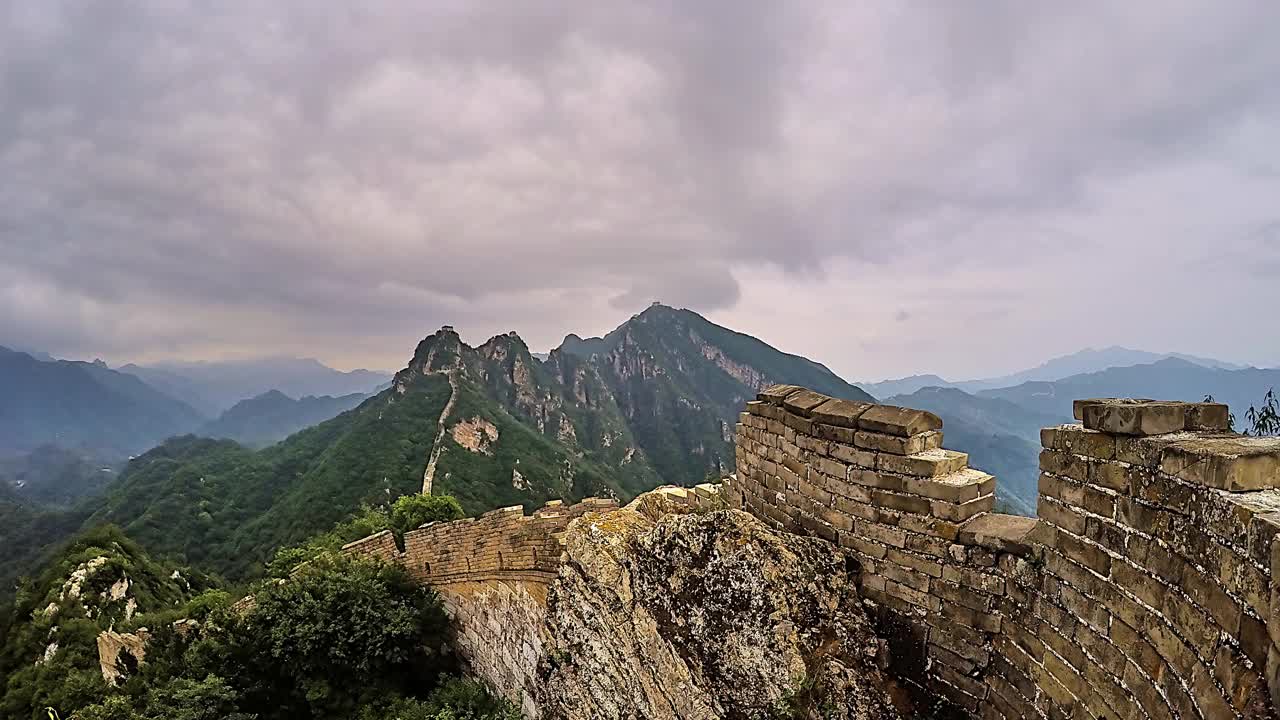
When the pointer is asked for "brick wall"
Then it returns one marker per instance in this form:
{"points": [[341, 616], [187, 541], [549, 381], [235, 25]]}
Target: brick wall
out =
{"points": [[1144, 591], [492, 574]]}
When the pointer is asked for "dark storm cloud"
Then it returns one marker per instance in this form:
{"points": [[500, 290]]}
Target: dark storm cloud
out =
{"points": [[245, 177]]}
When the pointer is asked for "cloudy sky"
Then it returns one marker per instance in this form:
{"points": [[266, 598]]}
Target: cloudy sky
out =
{"points": [[888, 187]]}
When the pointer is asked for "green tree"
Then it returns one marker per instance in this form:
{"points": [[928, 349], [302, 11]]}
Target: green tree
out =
{"points": [[1264, 419], [324, 643], [412, 511]]}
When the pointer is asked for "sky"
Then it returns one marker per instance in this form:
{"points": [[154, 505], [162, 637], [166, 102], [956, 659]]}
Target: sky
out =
{"points": [[887, 187]]}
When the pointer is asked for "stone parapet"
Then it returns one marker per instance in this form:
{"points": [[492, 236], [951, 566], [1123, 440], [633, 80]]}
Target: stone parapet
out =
{"points": [[491, 573], [1145, 589]]}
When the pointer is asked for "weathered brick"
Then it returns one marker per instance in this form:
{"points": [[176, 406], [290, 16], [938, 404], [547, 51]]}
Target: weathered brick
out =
{"points": [[853, 456], [918, 563], [803, 402], [896, 444], [1124, 416], [773, 394], [841, 413], [1000, 533], [960, 512], [904, 422], [930, 463], [905, 503], [1229, 463]]}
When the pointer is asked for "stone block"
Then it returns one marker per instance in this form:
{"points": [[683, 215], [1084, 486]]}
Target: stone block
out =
{"points": [[967, 577], [898, 445], [1000, 533], [803, 402], [1083, 552], [960, 512], [1235, 464], [834, 433], [775, 394], [903, 422], [840, 413], [933, 527], [881, 533], [930, 463], [904, 503], [794, 424], [1078, 440], [957, 487], [1126, 416], [853, 456], [1061, 515], [1211, 417]]}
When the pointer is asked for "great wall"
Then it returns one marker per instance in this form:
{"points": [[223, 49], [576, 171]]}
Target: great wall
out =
{"points": [[1144, 589]]}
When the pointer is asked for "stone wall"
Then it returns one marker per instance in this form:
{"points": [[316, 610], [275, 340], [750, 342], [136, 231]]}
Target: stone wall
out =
{"points": [[492, 574], [1143, 591]]}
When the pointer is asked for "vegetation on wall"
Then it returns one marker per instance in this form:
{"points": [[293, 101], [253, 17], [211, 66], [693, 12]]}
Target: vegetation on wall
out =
{"points": [[341, 638]]}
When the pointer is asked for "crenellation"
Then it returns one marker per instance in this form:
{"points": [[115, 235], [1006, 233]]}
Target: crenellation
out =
{"points": [[1146, 588]]}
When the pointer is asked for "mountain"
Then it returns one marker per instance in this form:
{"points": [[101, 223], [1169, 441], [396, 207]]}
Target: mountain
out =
{"points": [[49, 641], [273, 416], [214, 387], [906, 385], [495, 427], [1002, 438], [53, 475], [83, 406], [1084, 361], [492, 426], [1167, 379], [681, 381], [1090, 360]]}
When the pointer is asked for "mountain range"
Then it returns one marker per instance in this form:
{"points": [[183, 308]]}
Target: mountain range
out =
{"points": [[85, 406], [1089, 360], [652, 402], [273, 416], [214, 387]]}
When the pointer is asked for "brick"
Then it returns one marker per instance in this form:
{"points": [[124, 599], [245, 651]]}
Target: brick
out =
{"points": [[853, 456], [992, 584], [1052, 511], [774, 394], [905, 503], [930, 463], [935, 527], [1236, 464], [834, 433], [1084, 553], [903, 422], [962, 511], [918, 563], [898, 445], [1123, 416], [1000, 533], [803, 402], [1077, 440], [840, 413], [912, 596], [881, 533]]}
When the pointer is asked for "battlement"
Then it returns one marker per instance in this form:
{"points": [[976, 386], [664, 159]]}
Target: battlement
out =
{"points": [[1145, 588], [491, 573]]}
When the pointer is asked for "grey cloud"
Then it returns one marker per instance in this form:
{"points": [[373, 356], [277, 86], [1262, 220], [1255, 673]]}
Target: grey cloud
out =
{"points": [[184, 178]]}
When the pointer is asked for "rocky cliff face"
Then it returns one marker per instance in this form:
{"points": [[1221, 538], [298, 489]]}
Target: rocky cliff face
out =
{"points": [[662, 615]]}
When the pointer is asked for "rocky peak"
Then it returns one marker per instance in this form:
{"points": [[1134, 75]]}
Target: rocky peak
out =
{"points": [[438, 352], [710, 615]]}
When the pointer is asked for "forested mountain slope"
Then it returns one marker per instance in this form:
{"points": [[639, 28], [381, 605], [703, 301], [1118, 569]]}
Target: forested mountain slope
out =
{"points": [[83, 406]]}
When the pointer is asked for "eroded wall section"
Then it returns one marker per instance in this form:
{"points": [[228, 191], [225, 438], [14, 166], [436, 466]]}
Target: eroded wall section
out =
{"points": [[492, 575], [1145, 589]]}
